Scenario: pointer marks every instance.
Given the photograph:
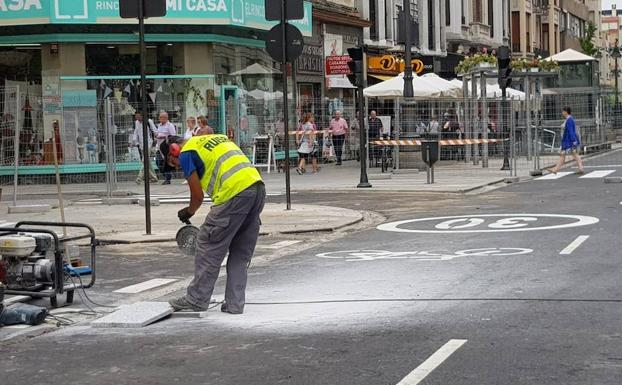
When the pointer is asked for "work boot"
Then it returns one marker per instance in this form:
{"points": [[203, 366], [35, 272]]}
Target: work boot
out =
{"points": [[182, 304], [225, 309]]}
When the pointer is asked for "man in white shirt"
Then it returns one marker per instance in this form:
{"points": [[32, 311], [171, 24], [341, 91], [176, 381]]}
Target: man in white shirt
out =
{"points": [[137, 141], [165, 129]]}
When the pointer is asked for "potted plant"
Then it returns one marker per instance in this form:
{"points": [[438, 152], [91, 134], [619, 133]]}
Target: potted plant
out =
{"points": [[549, 66], [519, 65], [534, 65]]}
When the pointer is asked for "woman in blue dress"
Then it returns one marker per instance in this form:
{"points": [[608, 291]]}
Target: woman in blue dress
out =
{"points": [[570, 142]]}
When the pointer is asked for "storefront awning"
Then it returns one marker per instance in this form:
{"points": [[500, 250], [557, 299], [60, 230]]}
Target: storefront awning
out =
{"points": [[382, 77]]}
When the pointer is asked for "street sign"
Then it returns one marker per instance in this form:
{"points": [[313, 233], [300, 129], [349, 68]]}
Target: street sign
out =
{"points": [[429, 152], [294, 43], [338, 65], [128, 9], [293, 11]]}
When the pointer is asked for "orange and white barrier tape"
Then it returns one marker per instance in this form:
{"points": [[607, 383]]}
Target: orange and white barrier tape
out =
{"points": [[456, 142]]}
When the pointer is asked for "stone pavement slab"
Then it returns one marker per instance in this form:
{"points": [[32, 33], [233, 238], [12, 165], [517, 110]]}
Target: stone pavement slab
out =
{"points": [[136, 315]]}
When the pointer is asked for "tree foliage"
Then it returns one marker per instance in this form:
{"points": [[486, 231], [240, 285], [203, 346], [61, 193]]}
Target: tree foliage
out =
{"points": [[587, 43]]}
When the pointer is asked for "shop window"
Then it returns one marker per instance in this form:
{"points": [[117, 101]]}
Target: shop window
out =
{"points": [[124, 59]]}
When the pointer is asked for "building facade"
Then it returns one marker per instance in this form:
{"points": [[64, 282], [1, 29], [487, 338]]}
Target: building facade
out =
{"points": [[384, 39]]}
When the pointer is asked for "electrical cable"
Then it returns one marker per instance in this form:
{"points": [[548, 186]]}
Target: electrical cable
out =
{"points": [[87, 297], [84, 299], [380, 300]]}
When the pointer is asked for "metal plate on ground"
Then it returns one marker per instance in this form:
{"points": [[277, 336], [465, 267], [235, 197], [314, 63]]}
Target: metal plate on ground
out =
{"points": [[136, 315]]}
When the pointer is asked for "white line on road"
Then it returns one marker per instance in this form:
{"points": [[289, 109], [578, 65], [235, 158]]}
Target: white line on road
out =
{"points": [[602, 166], [552, 176], [433, 362], [147, 285], [597, 174], [574, 245]]}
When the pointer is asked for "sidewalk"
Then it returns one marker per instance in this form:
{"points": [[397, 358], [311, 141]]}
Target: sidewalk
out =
{"points": [[450, 177], [126, 223]]}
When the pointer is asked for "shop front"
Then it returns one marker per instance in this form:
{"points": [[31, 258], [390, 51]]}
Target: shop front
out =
{"points": [[204, 58]]}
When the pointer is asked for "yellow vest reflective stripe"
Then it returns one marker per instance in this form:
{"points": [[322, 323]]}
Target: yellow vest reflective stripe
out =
{"points": [[227, 170]]}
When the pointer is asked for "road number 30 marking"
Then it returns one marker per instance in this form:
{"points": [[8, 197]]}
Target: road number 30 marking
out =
{"points": [[488, 223]]}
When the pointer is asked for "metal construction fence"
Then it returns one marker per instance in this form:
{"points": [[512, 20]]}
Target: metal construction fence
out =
{"points": [[94, 141]]}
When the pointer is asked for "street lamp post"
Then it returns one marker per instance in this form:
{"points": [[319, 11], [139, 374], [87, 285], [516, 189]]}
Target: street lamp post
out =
{"points": [[615, 54]]}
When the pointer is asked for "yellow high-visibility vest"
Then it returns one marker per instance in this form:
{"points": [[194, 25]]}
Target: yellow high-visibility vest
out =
{"points": [[227, 170]]}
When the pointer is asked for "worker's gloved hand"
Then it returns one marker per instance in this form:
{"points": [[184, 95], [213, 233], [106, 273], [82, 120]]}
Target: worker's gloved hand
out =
{"points": [[184, 215]]}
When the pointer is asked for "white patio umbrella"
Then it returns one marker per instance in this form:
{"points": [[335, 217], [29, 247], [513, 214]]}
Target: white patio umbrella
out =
{"points": [[494, 91], [422, 87]]}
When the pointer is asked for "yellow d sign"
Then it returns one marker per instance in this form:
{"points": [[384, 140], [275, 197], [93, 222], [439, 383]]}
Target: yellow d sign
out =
{"points": [[387, 62], [417, 66]]}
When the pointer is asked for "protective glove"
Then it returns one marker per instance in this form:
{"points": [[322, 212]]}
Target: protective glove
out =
{"points": [[184, 215]]}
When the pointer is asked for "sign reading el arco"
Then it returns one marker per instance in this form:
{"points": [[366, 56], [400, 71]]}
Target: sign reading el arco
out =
{"points": [[243, 13]]}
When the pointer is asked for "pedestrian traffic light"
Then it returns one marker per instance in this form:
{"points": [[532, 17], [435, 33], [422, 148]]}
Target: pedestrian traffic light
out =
{"points": [[356, 66], [504, 67]]}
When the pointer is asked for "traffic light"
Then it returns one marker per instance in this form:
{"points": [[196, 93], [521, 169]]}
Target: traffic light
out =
{"points": [[504, 67], [356, 67]]}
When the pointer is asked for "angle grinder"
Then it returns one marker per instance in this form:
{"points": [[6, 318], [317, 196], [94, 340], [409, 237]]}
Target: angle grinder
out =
{"points": [[187, 238]]}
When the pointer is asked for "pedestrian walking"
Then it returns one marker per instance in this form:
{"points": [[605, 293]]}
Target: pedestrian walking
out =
{"points": [[571, 142], [374, 132], [137, 141], [338, 132], [307, 145], [215, 165], [164, 130], [191, 127]]}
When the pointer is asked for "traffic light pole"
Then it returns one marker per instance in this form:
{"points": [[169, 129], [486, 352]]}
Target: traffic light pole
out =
{"points": [[145, 115], [408, 69], [504, 124], [363, 182], [288, 195]]}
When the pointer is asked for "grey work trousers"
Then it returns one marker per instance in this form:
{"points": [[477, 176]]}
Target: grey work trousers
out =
{"points": [[231, 227]]}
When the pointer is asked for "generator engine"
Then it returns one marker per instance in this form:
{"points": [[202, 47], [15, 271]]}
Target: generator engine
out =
{"points": [[26, 262]]}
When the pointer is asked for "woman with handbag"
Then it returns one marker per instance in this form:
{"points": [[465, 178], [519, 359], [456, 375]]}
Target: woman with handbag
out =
{"points": [[305, 140]]}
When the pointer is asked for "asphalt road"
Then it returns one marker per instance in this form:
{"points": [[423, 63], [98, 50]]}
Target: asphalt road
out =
{"points": [[536, 302]]}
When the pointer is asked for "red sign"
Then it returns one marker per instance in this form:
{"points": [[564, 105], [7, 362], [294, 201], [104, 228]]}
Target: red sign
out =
{"points": [[338, 65]]}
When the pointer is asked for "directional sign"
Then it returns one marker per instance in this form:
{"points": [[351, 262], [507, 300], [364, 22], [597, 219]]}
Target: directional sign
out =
{"points": [[294, 43], [294, 10], [128, 9], [488, 223]]}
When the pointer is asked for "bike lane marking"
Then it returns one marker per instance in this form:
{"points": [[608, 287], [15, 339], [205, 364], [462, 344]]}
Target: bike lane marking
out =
{"points": [[574, 245], [420, 255], [433, 362]]}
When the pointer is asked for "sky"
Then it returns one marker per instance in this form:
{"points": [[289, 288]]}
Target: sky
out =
{"points": [[607, 3]]}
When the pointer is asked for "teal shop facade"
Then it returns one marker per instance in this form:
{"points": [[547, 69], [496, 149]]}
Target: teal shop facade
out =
{"points": [[202, 55]]}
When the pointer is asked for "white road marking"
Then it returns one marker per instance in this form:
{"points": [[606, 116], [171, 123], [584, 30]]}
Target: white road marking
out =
{"points": [[597, 174], [552, 176], [147, 285], [574, 245], [509, 223], [433, 362], [603, 166], [278, 245]]}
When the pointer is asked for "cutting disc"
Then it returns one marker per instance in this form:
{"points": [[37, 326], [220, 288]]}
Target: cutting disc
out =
{"points": [[187, 239]]}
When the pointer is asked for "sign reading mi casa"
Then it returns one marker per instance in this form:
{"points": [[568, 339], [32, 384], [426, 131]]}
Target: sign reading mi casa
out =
{"points": [[242, 13]]}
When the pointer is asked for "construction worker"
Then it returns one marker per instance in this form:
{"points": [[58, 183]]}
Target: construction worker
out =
{"points": [[214, 165]]}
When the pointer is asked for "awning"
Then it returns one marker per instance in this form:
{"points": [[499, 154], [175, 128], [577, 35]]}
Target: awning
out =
{"points": [[339, 81], [381, 77]]}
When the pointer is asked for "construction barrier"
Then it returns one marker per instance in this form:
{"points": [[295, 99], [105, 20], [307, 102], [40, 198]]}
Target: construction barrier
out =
{"points": [[456, 142]]}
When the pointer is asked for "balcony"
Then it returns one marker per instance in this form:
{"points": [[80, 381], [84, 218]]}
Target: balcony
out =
{"points": [[480, 30]]}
